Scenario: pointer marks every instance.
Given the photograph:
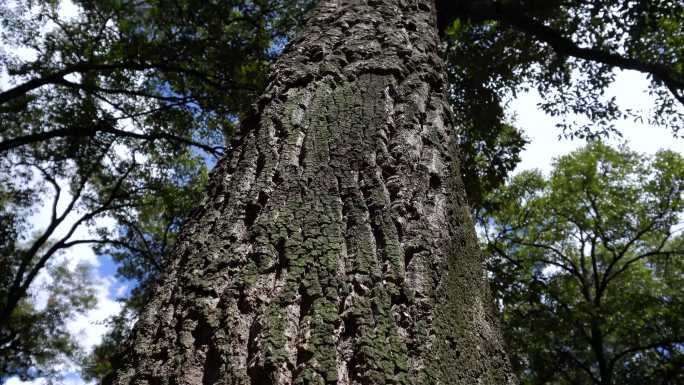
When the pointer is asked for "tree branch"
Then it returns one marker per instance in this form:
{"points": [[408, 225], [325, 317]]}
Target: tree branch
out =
{"points": [[103, 127], [58, 76], [106, 205], [514, 17], [127, 92], [635, 349]]}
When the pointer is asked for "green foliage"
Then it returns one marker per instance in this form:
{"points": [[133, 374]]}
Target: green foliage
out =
{"points": [[117, 114], [568, 51], [122, 109], [33, 340], [479, 89], [142, 241], [588, 266]]}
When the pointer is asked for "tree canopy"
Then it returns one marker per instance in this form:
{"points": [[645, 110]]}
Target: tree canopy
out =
{"points": [[588, 266], [35, 338], [117, 113], [120, 111], [569, 50]]}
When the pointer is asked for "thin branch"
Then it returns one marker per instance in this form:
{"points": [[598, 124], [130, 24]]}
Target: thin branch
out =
{"points": [[149, 252], [107, 205], [636, 349], [15, 293], [102, 241], [580, 364], [55, 185], [80, 132], [566, 47], [640, 233], [572, 268], [643, 256], [128, 92], [58, 76], [514, 17]]}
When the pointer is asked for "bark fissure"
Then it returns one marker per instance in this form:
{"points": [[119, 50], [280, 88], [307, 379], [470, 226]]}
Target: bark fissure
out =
{"points": [[334, 245]]}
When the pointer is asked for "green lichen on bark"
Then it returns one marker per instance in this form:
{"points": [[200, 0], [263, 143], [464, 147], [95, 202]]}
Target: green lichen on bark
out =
{"points": [[334, 245]]}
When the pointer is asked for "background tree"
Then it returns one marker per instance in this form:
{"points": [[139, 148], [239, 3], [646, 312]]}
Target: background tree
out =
{"points": [[34, 340], [569, 50], [168, 80], [119, 114], [588, 268]]}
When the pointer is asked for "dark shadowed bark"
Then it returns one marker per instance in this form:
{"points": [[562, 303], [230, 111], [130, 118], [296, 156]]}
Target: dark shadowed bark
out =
{"points": [[335, 245]]}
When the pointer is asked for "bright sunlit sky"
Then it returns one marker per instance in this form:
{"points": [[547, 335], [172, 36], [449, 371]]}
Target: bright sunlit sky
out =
{"points": [[630, 90]]}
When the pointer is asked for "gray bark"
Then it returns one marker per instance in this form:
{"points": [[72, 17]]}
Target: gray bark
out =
{"points": [[335, 244]]}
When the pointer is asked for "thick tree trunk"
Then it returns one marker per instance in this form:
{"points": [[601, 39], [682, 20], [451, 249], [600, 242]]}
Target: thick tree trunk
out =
{"points": [[335, 245]]}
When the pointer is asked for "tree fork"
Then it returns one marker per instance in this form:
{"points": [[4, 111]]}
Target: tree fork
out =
{"points": [[334, 245]]}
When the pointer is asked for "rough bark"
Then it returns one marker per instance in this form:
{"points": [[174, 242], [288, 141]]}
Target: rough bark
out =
{"points": [[335, 245]]}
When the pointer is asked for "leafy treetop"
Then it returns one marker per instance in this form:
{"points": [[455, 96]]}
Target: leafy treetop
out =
{"points": [[588, 266]]}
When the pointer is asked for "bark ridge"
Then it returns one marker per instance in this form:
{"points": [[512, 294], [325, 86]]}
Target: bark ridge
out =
{"points": [[335, 244]]}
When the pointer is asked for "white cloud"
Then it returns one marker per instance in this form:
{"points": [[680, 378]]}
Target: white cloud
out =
{"points": [[121, 290], [17, 381], [68, 379], [89, 328], [68, 10]]}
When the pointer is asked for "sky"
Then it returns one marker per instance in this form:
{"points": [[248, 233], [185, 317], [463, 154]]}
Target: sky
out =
{"points": [[630, 89]]}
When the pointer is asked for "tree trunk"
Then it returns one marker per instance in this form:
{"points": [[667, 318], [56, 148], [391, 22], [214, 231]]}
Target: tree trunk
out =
{"points": [[335, 245]]}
